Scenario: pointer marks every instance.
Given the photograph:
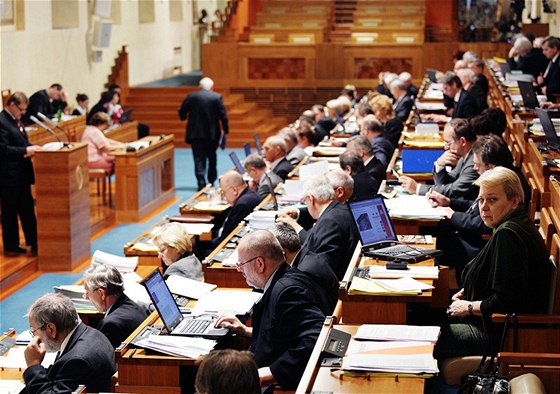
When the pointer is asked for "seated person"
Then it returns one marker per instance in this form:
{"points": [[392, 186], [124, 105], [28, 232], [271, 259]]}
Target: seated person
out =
{"points": [[323, 125], [44, 101], [373, 166], [86, 356], [411, 90], [286, 321], [105, 290], [461, 237], [105, 102], [385, 79], [305, 137], [98, 145], [142, 128], [383, 110], [83, 104], [459, 138], [480, 79], [295, 151], [274, 151], [263, 181], [464, 105], [176, 252], [242, 200], [227, 371], [510, 274], [491, 121], [383, 149], [467, 77], [402, 102], [364, 185], [527, 59]]}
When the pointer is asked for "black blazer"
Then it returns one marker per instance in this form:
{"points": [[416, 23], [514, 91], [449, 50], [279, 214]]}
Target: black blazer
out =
{"points": [[38, 102], [14, 168], [88, 359], [552, 80], [479, 97], [392, 130], [335, 235], [403, 108], [244, 205], [466, 107], [205, 111], [283, 168], [286, 324], [124, 317], [364, 186], [376, 169], [482, 82], [533, 63]]}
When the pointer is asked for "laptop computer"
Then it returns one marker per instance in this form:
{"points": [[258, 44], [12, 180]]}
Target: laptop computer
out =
{"points": [[174, 321], [247, 149], [258, 144], [378, 234], [528, 94], [504, 68], [126, 116], [432, 75], [237, 163], [417, 161], [548, 128]]}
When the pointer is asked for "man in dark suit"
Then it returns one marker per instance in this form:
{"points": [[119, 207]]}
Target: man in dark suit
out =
{"points": [[42, 101], [375, 167], [274, 151], [264, 181], [85, 355], [242, 200], [479, 78], [464, 106], [287, 320], [205, 111], [402, 101], [364, 185], [466, 75], [527, 59], [550, 80], [105, 290], [16, 175]]}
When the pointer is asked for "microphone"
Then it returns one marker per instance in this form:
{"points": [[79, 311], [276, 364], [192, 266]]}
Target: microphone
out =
{"points": [[274, 201], [38, 122], [45, 119]]}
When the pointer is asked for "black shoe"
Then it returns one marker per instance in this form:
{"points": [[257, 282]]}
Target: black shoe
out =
{"points": [[33, 250], [14, 252]]}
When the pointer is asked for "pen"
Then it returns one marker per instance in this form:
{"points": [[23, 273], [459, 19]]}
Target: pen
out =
{"points": [[395, 173]]}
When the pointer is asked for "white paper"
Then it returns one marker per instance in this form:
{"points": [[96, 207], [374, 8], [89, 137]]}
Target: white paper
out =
{"points": [[238, 302], [418, 272], [406, 283], [397, 332], [131, 277], [197, 228], [293, 190], [310, 170], [232, 260], [11, 386], [413, 206], [16, 358], [123, 264], [178, 346], [188, 287], [137, 293], [24, 338]]}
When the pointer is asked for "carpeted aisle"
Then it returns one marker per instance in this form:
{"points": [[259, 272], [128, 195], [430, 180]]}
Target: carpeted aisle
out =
{"points": [[13, 308]]}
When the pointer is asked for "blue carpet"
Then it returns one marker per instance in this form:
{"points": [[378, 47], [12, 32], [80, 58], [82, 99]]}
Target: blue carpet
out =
{"points": [[190, 79], [13, 308]]}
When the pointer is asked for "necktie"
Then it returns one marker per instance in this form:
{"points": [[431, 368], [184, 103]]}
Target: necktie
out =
{"points": [[547, 69]]}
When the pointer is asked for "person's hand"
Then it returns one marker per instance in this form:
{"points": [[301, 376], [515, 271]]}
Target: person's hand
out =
{"points": [[408, 184], [31, 149], [448, 212], [540, 79], [288, 213], [437, 199], [34, 352], [234, 324], [335, 142], [289, 220], [448, 158], [265, 377], [459, 308], [512, 53], [543, 90], [458, 296], [381, 74]]}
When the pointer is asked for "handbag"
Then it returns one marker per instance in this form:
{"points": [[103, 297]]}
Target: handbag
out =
{"points": [[490, 383]]}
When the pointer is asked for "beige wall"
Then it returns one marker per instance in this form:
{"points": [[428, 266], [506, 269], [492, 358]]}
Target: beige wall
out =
{"points": [[33, 58]]}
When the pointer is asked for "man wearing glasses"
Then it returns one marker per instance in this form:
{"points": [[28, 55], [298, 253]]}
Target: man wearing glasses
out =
{"points": [[16, 174], [85, 356], [287, 319], [459, 138]]}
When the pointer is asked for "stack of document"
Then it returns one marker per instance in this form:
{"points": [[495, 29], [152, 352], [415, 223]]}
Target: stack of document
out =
{"points": [[188, 287], [413, 206], [293, 191], [178, 346], [236, 302], [393, 348], [261, 220], [388, 287], [123, 264], [145, 244], [417, 272], [76, 294]]}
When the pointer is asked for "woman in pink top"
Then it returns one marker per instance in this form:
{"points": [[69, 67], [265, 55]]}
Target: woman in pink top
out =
{"points": [[99, 145]]}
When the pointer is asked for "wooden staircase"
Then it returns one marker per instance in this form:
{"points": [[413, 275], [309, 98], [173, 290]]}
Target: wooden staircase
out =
{"points": [[157, 107]]}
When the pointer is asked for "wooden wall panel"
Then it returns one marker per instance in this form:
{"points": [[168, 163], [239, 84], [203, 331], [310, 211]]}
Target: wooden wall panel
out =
{"points": [[291, 68]]}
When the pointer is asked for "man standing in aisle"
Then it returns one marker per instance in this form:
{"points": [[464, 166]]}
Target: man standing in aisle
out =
{"points": [[205, 111], [16, 177]]}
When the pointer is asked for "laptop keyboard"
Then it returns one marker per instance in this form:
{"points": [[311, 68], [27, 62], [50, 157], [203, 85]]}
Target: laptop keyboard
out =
{"points": [[397, 250], [195, 326]]}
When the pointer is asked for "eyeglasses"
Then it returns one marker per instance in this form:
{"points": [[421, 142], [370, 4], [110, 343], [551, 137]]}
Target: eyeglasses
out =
{"points": [[447, 143], [23, 110], [32, 332], [239, 265], [90, 292]]}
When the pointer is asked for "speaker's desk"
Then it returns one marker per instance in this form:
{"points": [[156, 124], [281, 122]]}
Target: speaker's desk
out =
{"points": [[145, 179]]}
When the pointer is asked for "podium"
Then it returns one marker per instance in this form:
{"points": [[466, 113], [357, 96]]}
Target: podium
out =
{"points": [[62, 194]]}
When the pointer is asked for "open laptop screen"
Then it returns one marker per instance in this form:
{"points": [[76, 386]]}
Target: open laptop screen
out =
{"points": [[247, 149], [373, 221], [548, 128], [416, 161], [163, 300], [528, 94], [237, 163]]}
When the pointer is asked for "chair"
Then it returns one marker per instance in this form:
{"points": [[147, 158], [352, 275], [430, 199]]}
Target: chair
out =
{"points": [[532, 373], [6, 93], [535, 199], [546, 227], [103, 181]]}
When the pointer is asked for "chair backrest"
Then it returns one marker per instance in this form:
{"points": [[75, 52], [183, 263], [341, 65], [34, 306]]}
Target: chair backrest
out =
{"points": [[554, 301], [535, 198], [546, 227]]}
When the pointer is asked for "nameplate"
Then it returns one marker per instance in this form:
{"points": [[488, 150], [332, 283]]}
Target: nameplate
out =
{"points": [[405, 40], [302, 40], [261, 40]]}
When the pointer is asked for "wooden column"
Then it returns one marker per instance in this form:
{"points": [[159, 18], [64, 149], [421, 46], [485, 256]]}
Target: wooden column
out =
{"points": [[61, 185]]}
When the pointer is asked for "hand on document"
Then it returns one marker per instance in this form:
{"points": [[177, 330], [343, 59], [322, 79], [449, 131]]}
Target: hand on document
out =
{"points": [[437, 199]]}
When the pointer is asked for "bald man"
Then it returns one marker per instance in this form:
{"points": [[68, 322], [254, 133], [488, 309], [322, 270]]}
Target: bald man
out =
{"points": [[242, 200], [275, 151]]}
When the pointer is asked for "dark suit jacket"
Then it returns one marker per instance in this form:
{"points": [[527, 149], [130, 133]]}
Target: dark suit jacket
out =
{"points": [[383, 150], [38, 102], [552, 80], [335, 235], [403, 108], [479, 97], [482, 82], [124, 317], [243, 206], [88, 359], [283, 168], [204, 110], [286, 324], [392, 130], [364, 186], [376, 169], [533, 63], [466, 107], [14, 168]]}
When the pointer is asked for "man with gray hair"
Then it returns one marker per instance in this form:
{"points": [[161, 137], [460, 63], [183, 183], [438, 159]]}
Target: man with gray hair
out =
{"points": [[85, 356], [205, 110], [295, 151], [402, 103], [264, 181], [376, 168], [105, 290], [411, 90], [274, 150], [525, 58]]}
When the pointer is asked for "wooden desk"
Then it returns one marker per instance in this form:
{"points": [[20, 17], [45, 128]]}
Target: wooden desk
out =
{"points": [[321, 379], [74, 127], [368, 308], [10, 373], [217, 273], [539, 172], [190, 207], [145, 179], [124, 133]]}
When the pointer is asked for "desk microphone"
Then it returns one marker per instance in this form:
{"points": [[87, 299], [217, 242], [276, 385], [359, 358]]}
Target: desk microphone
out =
{"points": [[38, 122], [274, 201], [49, 121]]}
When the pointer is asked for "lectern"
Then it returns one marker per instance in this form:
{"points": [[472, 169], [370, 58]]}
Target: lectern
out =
{"points": [[62, 194]]}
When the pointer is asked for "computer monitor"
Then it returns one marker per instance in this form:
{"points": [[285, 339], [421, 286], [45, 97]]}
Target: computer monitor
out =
{"points": [[247, 149], [549, 130]]}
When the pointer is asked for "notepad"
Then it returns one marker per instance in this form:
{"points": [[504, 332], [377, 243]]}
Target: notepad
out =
{"points": [[397, 332]]}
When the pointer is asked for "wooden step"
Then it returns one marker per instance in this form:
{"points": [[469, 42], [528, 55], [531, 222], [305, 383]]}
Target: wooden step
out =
{"points": [[16, 272]]}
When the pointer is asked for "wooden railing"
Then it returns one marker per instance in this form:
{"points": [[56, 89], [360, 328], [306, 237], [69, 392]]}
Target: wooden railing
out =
{"points": [[119, 73]]}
